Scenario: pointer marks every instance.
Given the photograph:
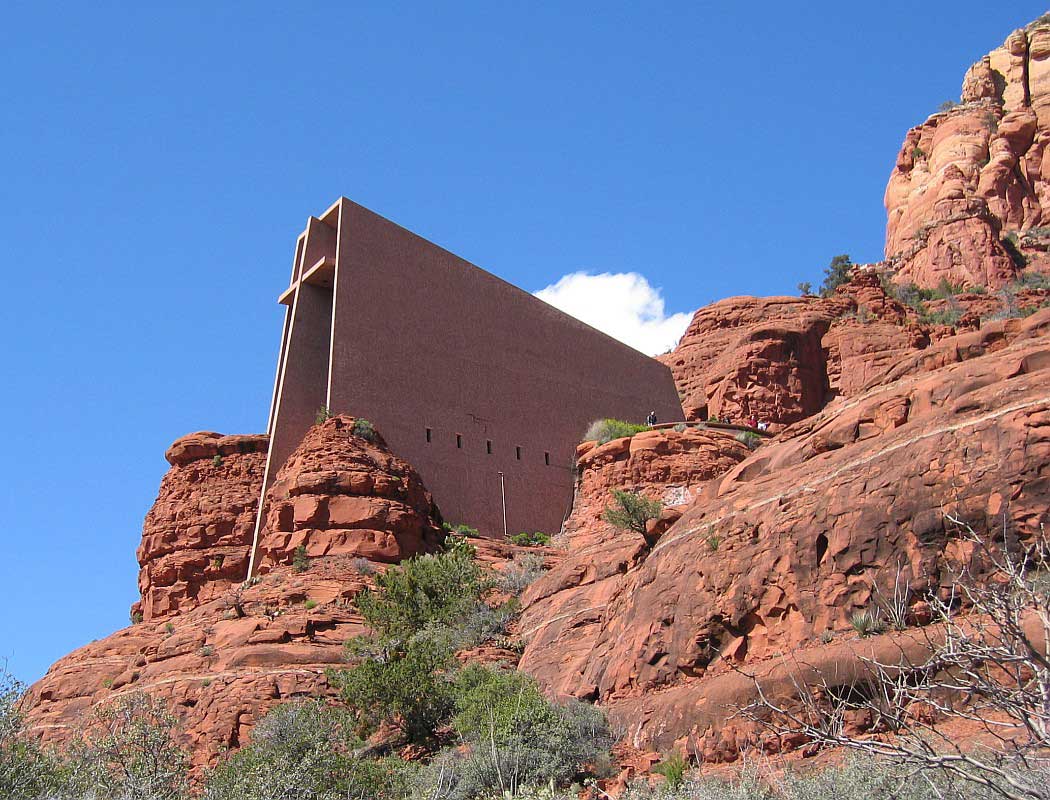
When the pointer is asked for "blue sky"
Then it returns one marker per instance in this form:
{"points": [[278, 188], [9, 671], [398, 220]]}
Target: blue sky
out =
{"points": [[159, 160]]}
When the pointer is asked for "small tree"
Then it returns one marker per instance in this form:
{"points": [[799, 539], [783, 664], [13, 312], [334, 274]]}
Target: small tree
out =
{"points": [[631, 511], [805, 288], [836, 274], [25, 770], [129, 753]]}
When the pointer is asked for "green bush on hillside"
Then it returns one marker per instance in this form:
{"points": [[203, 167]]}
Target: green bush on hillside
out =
{"points": [[605, 430]]}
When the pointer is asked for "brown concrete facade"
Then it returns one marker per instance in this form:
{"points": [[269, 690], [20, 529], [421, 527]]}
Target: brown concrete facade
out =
{"points": [[465, 375]]}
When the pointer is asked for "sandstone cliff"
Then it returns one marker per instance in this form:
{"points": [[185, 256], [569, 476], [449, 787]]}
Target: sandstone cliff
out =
{"points": [[969, 198]]}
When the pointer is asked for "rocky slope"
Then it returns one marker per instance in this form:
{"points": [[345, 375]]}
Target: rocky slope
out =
{"points": [[784, 545], [969, 197]]}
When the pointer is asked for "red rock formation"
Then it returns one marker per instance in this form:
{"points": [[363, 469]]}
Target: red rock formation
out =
{"points": [[341, 494], [786, 544], [195, 539], [220, 653], [969, 197]]}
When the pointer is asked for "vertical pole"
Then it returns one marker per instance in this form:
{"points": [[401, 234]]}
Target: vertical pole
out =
{"points": [[503, 498]]}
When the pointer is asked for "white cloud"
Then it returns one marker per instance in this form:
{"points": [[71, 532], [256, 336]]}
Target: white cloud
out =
{"points": [[621, 304]]}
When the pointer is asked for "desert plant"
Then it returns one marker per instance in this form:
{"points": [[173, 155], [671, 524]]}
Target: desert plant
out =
{"points": [[680, 427], [136, 617], [522, 571], [673, 768], [401, 683], [533, 539], [322, 415], [207, 651], [309, 605], [947, 105], [364, 429], [917, 153], [714, 542], [1030, 279], [26, 770], [750, 439], [216, 460], [805, 288], [300, 560], [305, 751], [461, 529], [129, 752], [836, 274], [632, 511], [169, 628], [605, 430], [427, 589], [362, 566], [515, 738], [866, 622]]}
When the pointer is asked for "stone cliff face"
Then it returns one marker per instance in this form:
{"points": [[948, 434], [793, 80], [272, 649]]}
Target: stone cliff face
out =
{"points": [[195, 539], [969, 198], [787, 543], [782, 359]]}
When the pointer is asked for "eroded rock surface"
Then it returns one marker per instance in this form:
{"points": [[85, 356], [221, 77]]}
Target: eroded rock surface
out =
{"points": [[195, 538], [969, 197], [786, 544]]}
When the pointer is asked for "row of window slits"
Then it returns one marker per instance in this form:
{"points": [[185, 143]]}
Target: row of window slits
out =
{"points": [[488, 446]]}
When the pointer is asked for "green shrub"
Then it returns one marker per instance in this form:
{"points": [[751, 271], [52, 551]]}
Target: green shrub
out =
{"points": [[136, 617], [216, 461], [26, 770], [917, 153], [402, 683], [605, 430], [322, 415], [522, 571], [303, 751], [362, 566], [128, 752], [530, 539], [749, 439], [805, 288], [631, 511], [364, 429], [517, 739], [309, 605], [423, 590], [836, 274], [947, 105], [866, 623], [461, 530], [673, 768], [300, 560], [169, 628]]}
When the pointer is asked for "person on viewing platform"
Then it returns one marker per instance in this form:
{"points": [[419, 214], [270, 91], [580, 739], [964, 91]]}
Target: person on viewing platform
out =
{"points": [[651, 419]]}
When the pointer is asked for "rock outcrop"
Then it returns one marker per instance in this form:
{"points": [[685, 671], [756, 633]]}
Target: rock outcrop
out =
{"points": [[196, 537], [968, 201], [787, 543], [222, 653], [340, 494]]}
